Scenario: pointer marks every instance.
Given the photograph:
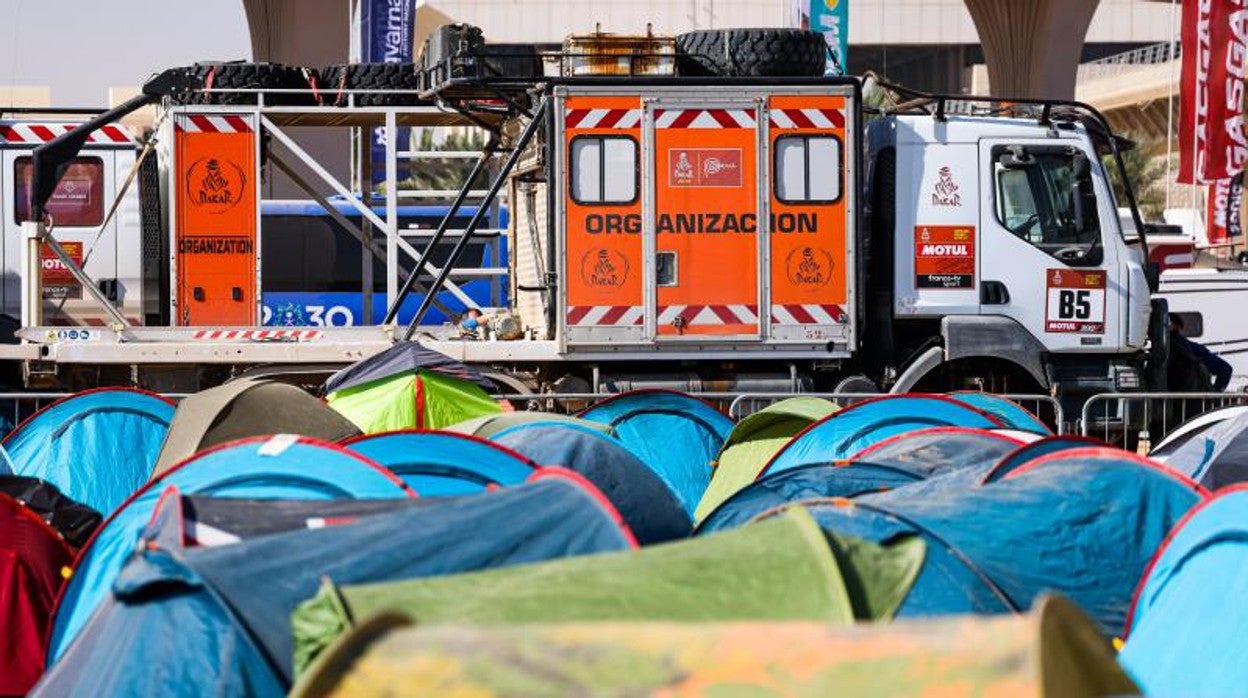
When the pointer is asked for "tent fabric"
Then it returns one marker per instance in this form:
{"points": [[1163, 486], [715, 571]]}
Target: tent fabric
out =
{"points": [[487, 426], [1011, 414], [841, 435], [179, 621], [651, 510], [1191, 428], [1026, 453], [1216, 456], [677, 435], [1053, 652], [72, 521], [938, 450], [415, 400], [96, 447], [806, 482], [243, 408], [1189, 614], [211, 521], [754, 441], [781, 569], [31, 558], [279, 467], [1082, 523], [439, 464], [402, 358]]}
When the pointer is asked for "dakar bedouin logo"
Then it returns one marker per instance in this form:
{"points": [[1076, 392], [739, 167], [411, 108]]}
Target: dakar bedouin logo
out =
{"points": [[604, 270], [683, 172], [215, 186], [809, 267], [945, 193]]}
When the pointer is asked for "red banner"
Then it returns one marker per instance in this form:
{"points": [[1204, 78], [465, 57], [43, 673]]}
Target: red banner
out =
{"points": [[1212, 142], [1222, 216]]}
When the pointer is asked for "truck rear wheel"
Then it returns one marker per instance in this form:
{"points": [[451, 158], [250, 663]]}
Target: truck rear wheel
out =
{"points": [[369, 76], [751, 53], [253, 76]]}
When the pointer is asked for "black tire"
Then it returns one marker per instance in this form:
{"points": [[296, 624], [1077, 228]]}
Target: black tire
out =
{"points": [[253, 76], [369, 76], [750, 53]]}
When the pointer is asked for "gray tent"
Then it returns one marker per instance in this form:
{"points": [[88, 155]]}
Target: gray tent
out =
{"points": [[247, 407]]}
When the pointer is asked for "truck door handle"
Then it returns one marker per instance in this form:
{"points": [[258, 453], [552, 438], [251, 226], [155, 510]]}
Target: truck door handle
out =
{"points": [[994, 293], [198, 294], [236, 293]]}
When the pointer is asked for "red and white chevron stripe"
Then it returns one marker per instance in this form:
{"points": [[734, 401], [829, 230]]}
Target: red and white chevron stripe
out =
{"points": [[213, 123], [704, 118], [709, 314], [807, 314], [602, 118], [44, 132], [605, 315], [807, 118], [259, 335]]}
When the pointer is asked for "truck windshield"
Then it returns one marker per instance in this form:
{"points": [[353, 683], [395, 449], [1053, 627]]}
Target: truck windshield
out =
{"points": [[1045, 198]]}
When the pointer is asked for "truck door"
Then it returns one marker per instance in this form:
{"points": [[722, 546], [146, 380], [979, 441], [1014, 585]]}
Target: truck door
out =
{"points": [[1046, 261], [703, 219]]}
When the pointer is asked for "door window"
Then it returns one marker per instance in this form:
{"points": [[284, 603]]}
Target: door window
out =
{"points": [[77, 201], [1045, 197], [604, 170], [808, 169]]}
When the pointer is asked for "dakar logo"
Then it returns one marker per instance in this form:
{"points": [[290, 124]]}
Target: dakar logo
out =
{"points": [[215, 186], [1057, 277], [604, 270], [945, 193], [683, 172], [809, 267]]}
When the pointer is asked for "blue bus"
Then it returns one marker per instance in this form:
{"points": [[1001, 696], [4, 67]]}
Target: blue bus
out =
{"points": [[312, 273]]}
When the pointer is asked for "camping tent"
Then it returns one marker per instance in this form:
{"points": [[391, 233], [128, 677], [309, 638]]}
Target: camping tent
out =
{"points": [[1193, 427], [180, 620], [841, 435], [675, 434], [754, 441], [409, 387], [1037, 449], [1189, 614], [488, 425], [1216, 456], [938, 450], [279, 467], [32, 556], [807, 482], [1011, 414], [437, 463], [96, 446], [1080, 522], [649, 507], [247, 407], [780, 569], [72, 521], [1054, 652]]}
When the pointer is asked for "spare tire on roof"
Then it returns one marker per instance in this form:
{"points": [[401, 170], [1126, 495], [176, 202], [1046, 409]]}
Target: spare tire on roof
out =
{"points": [[369, 76], [751, 53], [253, 76]]}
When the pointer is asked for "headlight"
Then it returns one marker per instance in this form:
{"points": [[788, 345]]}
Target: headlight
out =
{"points": [[1126, 378]]}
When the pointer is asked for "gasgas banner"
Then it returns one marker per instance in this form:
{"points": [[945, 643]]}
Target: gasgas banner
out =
{"points": [[386, 29], [1212, 142], [830, 18]]}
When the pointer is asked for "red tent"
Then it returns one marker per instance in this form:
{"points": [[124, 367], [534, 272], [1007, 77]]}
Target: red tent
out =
{"points": [[32, 556]]}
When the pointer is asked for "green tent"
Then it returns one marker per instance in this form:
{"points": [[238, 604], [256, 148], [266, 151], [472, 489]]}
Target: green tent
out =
{"points": [[1053, 651], [412, 400], [783, 568], [754, 441], [489, 425]]}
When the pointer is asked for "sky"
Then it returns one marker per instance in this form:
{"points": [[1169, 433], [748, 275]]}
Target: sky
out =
{"points": [[80, 48]]}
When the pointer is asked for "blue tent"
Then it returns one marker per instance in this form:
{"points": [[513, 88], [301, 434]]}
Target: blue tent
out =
{"points": [[678, 436], [1012, 414], [199, 620], [1216, 456], [1187, 625], [651, 510], [806, 482], [278, 467], [839, 436], [1082, 523], [1037, 449], [97, 447], [439, 463], [938, 450]]}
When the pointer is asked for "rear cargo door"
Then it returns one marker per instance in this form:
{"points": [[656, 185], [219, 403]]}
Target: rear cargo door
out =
{"points": [[703, 219]]}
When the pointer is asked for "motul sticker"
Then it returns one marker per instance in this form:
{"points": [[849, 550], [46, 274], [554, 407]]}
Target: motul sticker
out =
{"points": [[705, 167], [1076, 301], [944, 257], [58, 281]]}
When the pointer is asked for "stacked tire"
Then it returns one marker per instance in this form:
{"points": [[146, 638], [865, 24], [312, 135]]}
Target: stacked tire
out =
{"points": [[751, 53], [335, 80], [253, 76]]}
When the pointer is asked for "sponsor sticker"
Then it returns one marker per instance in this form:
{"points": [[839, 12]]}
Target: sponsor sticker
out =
{"points": [[705, 167], [215, 185], [944, 257], [58, 281], [1075, 302]]}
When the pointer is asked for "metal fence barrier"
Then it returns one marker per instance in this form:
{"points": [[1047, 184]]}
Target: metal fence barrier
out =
{"points": [[1148, 417]]}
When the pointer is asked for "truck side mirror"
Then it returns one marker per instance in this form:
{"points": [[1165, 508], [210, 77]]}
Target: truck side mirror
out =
{"points": [[1084, 194]]}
